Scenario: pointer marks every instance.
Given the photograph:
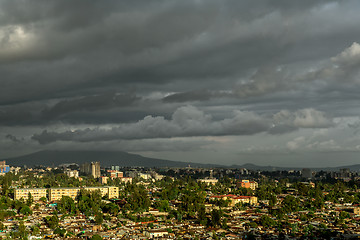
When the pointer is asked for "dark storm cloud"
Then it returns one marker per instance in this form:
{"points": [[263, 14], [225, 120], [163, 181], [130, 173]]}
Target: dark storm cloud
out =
{"points": [[90, 103], [12, 138], [12, 116], [201, 95], [189, 121], [88, 45], [90, 71]]}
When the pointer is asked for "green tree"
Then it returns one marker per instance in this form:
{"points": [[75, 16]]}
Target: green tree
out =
{"points": [[267, 221], [60, 231], [216, 216], [99, 218], [66, 205], [96, 237], [25, 210], [52, 222], [290, 204], [29, 200]]}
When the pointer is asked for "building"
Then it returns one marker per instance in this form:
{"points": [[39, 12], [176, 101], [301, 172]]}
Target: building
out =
{"points": [[115, 174], [57, 193], [145, 176], [156, 233], [306, 173], [126, 179], [248, 184], [238, 199], [23, 193], [103, 179], [3, 167], [92, 169], [72, 173], [117, 168], [208, 181], [111, 192]]}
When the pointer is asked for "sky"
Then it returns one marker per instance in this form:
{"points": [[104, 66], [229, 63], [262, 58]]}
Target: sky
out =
{"points": [[227, 82]]}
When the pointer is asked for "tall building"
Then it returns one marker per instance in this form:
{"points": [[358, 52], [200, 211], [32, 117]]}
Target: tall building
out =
{"points": [[306, 173], [92, 169]]}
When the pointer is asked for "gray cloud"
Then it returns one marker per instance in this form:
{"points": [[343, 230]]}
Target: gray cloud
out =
{"points": [[115, 70], [189, 121], [90, 103], [12, 138]]}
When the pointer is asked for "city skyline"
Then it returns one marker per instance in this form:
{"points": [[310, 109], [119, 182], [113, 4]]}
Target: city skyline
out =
{"points": [[235, 82]]}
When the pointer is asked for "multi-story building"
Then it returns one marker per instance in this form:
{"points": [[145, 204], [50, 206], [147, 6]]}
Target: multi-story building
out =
{"points": [[23, 193], [3, 167], [306, 173], [103, 179], [208, 181], [112, 192], [237, 199], [248, 184], [117, 168], [72, 173], [126, 179], [92, 169], [57, 193], [115, 174]]}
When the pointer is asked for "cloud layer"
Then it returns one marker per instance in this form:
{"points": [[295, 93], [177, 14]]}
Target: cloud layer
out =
{"points": [[159, 74]]}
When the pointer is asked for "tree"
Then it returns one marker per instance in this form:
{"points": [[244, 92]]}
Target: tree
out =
{"points": [[290, 204], [25, 210], [29, 200], [60, 231], [201, 215], [66, 205], [35, 230], [96, 237], [99, 218], [52, 222], [267, 221], [216, 217]]}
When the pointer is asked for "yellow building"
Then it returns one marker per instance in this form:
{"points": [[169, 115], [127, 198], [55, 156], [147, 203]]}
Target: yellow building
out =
{"points": [[23, 193], [112, 192], [208, 181], [238, 199], [57, 193]]}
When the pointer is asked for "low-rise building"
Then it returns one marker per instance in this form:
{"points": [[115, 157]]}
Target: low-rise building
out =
{"points": [[156, 233]]}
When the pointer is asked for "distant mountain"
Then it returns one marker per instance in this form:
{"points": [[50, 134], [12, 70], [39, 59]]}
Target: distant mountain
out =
{"points": [[107, 159], [250, 166], [124, 159]]}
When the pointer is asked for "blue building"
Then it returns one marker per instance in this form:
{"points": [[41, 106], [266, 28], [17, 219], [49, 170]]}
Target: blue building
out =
{"points": [[3, 167]]}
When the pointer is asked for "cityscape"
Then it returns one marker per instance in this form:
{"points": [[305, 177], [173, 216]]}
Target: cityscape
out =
{"points": [[92, 202], [179, 119]]}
